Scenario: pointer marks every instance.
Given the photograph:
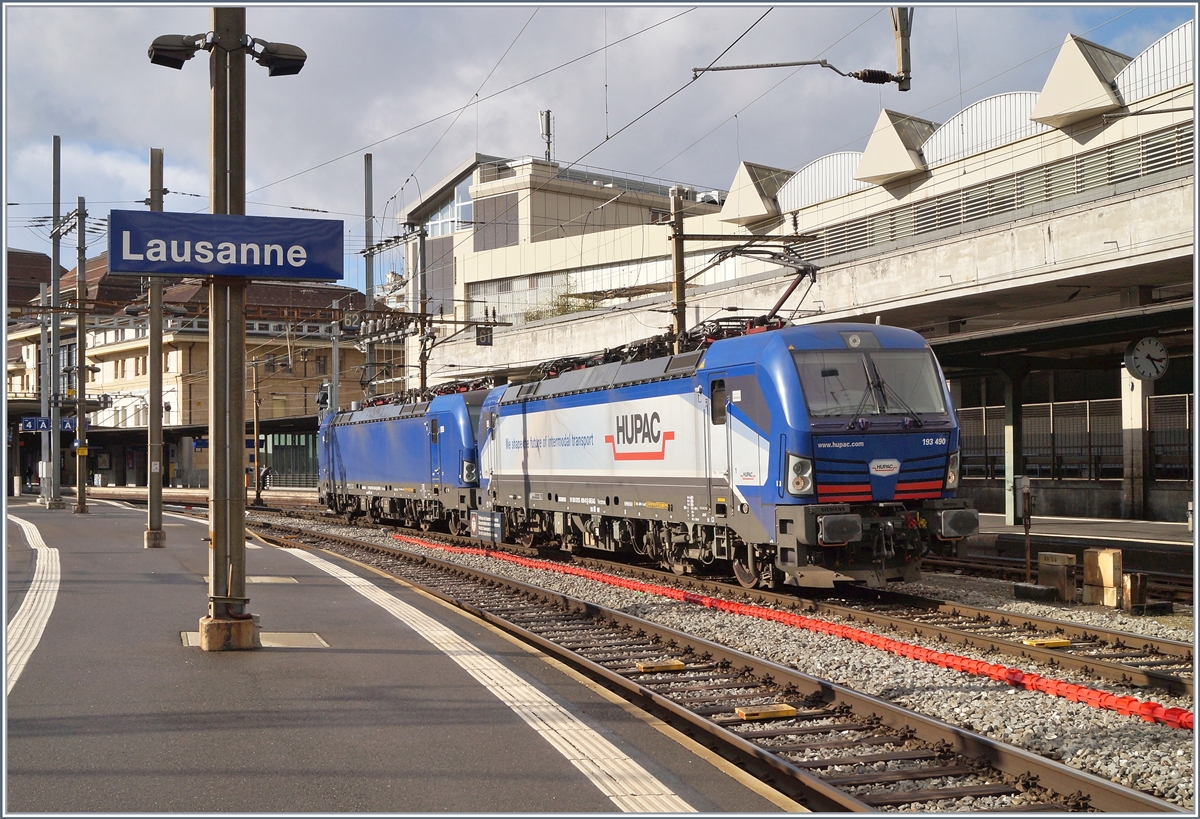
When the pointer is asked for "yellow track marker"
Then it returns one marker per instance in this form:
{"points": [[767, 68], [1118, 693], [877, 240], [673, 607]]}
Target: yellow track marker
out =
{"points": [[765, 711], [1047, 642]]}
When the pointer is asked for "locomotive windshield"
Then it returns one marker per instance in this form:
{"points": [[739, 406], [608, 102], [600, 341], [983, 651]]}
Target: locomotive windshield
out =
{"points": [[875, 382]]}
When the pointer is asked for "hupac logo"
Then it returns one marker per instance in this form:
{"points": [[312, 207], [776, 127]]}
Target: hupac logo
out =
{"points": [[884, 466], [634, 433]]}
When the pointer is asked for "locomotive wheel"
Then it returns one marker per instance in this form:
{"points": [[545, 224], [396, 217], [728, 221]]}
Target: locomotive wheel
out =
{"points": [[425, 524], [456, 524], [746, 572]]}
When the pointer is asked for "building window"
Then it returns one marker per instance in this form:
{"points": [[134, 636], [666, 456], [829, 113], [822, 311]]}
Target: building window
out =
{"points": [[319, 364], [454, 212], [462, 203]]}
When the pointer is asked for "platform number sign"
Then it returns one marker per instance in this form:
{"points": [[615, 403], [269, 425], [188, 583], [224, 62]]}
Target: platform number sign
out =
{"points": [[483, 336]]}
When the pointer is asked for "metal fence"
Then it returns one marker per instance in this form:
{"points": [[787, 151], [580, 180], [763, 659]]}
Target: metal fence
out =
{"points": [[1079, 440], [1169, 418]]}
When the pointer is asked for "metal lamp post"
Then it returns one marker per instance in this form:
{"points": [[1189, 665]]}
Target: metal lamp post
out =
{"points": [[81, 368], [227, 625]]}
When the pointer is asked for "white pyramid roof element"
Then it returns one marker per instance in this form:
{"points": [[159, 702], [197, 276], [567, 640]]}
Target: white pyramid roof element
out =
{"points": [[894, 150], [1080, 85], [752, 194]]}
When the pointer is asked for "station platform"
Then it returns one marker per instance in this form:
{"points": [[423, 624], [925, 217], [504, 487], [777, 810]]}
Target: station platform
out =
{"points": [[367, 695], [1145, 545]]}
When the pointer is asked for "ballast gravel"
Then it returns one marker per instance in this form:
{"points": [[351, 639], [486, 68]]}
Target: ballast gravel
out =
{"points": [[1149, 757]]}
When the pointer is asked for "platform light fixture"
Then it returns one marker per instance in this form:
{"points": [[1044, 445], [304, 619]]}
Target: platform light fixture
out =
{"points": [[173, 50], [280, 59]]}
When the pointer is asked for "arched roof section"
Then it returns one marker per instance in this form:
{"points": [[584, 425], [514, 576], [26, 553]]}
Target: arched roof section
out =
{"points": [[825, 178], [1166, 64], [983, 125]]}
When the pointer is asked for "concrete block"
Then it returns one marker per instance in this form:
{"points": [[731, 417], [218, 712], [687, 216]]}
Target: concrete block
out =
{"points": [[1060, 577], [228, 635], [1101, 596], [154, 539], [1031, 591], [1102, 567], [1135, 591]]}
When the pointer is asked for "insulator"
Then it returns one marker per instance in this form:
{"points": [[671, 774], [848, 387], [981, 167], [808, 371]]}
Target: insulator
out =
{"points": [[874, 75]]}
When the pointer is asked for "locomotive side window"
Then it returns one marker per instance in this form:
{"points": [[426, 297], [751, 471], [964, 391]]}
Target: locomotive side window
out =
{"points": [[718, 401]]}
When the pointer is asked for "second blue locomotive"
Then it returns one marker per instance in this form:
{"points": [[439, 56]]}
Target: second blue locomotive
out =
{"points": [[803, 456]]}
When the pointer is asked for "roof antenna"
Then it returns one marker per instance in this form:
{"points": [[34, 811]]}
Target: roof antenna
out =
{"points": [[545, 119], [877, 320]]}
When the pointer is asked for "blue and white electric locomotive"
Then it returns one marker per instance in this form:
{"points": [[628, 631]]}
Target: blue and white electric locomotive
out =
{"points": [[805, 456]]}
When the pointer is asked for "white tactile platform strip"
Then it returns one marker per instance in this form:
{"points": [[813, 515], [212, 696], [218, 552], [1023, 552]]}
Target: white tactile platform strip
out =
{"points": [[25, 629]]}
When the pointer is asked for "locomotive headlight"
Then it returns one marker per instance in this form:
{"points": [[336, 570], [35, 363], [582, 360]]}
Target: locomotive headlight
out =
{"points": [[799, 475], [469, 472], [952, 471]]}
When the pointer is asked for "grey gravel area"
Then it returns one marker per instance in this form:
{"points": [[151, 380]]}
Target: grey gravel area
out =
{"points": [[997, 594], [1150, 757]]}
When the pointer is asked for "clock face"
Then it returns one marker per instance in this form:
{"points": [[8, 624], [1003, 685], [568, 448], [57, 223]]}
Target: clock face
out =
{"points": [[1146, 359]]}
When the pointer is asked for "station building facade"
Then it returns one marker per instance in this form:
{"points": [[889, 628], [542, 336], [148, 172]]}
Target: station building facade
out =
{"points": [[1002, 235]]}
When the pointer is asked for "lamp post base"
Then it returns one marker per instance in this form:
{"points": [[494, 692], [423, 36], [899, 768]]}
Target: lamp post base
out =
{"points": [[154, 539], [228, 635], [55, 504]]}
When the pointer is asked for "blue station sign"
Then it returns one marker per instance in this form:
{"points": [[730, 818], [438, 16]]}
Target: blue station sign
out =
{"points": [[154, 243], [35, 423]]}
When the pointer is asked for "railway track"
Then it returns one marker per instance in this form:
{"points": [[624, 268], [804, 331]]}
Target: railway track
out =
{"points": [[827, 746]]}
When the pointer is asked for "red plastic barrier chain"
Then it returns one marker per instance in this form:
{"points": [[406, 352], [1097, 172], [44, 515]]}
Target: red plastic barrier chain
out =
{"points": [[1127, 706]]}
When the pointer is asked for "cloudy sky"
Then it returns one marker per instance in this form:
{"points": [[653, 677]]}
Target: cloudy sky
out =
{"points": [[422, 88]]}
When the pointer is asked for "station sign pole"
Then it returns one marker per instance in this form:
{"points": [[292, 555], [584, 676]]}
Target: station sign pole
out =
{"points": [[155, 537], [229, 249]]}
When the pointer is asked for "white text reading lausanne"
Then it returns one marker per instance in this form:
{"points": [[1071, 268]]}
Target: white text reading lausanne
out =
{"points": [[223, 253]]}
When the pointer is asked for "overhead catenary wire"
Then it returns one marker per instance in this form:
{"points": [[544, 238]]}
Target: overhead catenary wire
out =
{"points": [[493, 95]]}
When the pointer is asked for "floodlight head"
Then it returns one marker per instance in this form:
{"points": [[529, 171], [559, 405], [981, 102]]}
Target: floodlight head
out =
{"points": [[280, 59], [173, 50]]}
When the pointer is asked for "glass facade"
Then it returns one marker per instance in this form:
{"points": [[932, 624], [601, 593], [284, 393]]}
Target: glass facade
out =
{"points": [[454, 213]]}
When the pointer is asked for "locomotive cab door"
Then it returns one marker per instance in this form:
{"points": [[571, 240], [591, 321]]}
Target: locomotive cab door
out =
{"points": [[717, 439], [435, 455]]}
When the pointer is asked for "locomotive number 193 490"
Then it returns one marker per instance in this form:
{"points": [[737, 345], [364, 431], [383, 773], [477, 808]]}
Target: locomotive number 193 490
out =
{"points": [[940, 441]]}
